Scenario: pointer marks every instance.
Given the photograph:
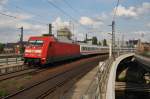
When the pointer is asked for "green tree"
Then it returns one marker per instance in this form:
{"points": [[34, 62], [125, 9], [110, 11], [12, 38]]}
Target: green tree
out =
{"points": [[99, 43], [104, 42], [94, 40], [22, 48], [1, 47]]}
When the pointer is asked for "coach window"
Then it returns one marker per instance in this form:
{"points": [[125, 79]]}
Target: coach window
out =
{"points": [[85, 48], [90, 48], [82, 48]]}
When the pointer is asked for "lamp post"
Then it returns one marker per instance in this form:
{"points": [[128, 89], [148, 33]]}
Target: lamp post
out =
{"points": [[113, 29], [21, 40], [110, 46], [113, 37]]}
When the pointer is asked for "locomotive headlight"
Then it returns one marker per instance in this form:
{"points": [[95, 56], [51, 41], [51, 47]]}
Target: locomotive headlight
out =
{"points": [[43, 58], [27, 51], [38, 51]]}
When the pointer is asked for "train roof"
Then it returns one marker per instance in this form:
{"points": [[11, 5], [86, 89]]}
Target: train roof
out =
{"points": [[49, 38], [52, 38], [90, 45]]}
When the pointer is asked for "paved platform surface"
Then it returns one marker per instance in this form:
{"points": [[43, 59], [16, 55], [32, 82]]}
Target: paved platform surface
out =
{"points": [[80, 88]]}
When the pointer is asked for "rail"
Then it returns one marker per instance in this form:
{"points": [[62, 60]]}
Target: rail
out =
{"points": [[98, 88], [144, 60], [50, 84]]}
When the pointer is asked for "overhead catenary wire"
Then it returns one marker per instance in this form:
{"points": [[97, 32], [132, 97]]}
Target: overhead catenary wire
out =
{"points": [[34, 20], [68, 4], [15, 17], [113, 28], [115, 10], [34, 13], [77, 12], [8, 15], [22, 9], [65, 13], [61, 10], [40, 22], [1, 13]]}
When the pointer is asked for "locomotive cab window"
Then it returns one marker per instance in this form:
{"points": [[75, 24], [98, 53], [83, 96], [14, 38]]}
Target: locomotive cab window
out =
{"points": [[31, 42], [39, 42], [36, 42]]}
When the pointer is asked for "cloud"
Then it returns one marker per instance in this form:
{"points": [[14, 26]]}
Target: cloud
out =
{"points": [[9, 26], [80, 36], [144, 35], [9, 29], [89, 21], [103, 16], [145, 8], [14, 23], [133, 11], [23, 16], [59, 23], [148, 25], [2, 2], [141, 32], [86, 21], [126, 12]]}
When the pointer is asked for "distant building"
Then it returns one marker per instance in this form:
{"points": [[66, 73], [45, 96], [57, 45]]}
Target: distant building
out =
{"points": [[64, 32], [143, 46], [132, 43], [8, 50], [13, 47]]}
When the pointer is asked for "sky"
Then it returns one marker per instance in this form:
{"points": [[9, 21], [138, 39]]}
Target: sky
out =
{"points": [[91, 17]]}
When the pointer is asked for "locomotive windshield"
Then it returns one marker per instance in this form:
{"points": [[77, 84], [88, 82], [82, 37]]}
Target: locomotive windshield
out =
{"points": [[36, 42]]}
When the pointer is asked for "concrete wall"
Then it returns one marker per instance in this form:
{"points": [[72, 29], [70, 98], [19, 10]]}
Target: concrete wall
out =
{"points": [[110, 94]]}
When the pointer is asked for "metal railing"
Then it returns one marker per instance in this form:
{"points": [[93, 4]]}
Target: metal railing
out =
{"points": [[98, 87], [6, 59]]}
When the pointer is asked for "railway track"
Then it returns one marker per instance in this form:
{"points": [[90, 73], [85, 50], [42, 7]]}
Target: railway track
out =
{"points": [[47, 86], [51, 92], [17, 74], [21, 73], [133, 87]]}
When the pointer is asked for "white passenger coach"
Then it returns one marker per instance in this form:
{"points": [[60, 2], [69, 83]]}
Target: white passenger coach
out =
{"points": [[93, 49]]}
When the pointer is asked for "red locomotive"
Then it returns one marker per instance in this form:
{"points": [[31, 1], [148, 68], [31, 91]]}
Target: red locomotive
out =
{"points": [[46, 49]]}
